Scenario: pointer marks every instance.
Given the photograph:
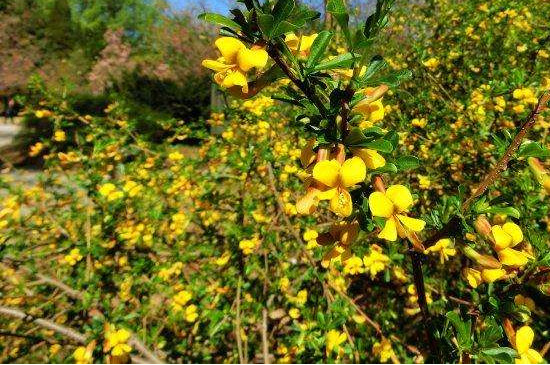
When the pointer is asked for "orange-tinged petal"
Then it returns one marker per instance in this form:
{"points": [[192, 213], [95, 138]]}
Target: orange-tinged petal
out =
{"points": [[353, 171], [390, 230], [327, 172], [341, 203], [514, 231], [229, 48], [250, 58], [400, 196], [413, 224], [502, 239], [380, 205], [308, 203], [524, 339]]}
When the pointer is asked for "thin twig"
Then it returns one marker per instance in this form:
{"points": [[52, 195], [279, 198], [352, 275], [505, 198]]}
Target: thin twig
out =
{"points": [[502, 164]]}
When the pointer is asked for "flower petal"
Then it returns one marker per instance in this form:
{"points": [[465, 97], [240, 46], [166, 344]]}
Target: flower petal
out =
{"points": [[514, 231], [400, 196], [353, 171], [390, 230], [511, 257], [380, 205], [327, 172], [534, 356], [235, 78], [502, 239], [341, 203], [372, 158], [413, 224], [250, 58], [491, 275], [524, 339], [229, 48], [215, 65]]}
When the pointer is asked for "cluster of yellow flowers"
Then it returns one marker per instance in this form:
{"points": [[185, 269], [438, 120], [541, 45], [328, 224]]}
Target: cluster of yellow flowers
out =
{"points": [[503, 238], [180, 300], [250, 245]]}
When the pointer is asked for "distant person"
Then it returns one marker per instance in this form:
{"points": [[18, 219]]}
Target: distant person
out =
{"points": [[10, 109]]}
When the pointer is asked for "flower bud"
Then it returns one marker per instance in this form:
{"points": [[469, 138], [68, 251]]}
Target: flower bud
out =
{"points": [[483, 260], [483, 227], [541, 174]]}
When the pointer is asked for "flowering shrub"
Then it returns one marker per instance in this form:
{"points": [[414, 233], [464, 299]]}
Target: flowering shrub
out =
{"points": [[335, 218]]}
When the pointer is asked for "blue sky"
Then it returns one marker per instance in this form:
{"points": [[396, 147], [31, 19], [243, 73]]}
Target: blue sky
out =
{"points": [[218, 6]]}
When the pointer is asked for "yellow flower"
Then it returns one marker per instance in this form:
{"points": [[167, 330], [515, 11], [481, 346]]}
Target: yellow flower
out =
{"points": [[523, 342], [300, 45], [353, 266], [284, 284], [248, 246], [491, 275], [375, 261], [513, 258], [473, 277], [371, 158], [116, 341], [181, 299], [83, 355], [73, 257], [424, 182], [370, 107], [59, 136], [431, 63], [191, 313], [383, 350], [235, 62], [396, 200], [341, 234], [337, 178], [507, 235], [223, 259], [54, 349], [36, 149], [334, 339], [110, 191], [294, 313], [301, 298], [444, 247], [310, 234], [43, 113], [420, 123]]}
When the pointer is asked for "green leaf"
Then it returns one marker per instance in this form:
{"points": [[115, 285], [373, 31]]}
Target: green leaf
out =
{"points": [[342, 61], [319, 47], [388, 167], [376, 64], [533, 149], [503, 210], [379, 145], [339, 10], [407, 162], [282, 10], [463, 330], [503, 355], [219, 20], [266, 21], [392, 80]]}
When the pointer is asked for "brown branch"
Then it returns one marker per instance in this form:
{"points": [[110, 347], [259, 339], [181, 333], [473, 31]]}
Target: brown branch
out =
{"points": [[502, 164]]}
